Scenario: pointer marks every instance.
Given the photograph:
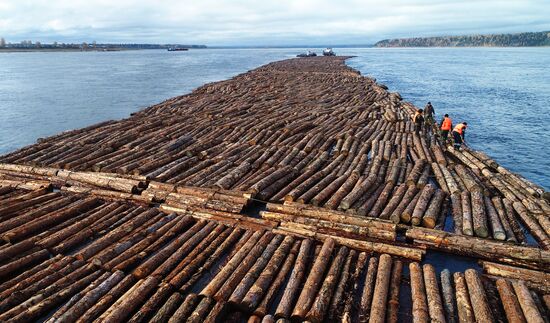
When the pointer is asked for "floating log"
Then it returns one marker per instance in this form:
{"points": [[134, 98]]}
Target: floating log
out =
{"points": [[482, 311], [510, 302], [311, 286], [420, 312]]}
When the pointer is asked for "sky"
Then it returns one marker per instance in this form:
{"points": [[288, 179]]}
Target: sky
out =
{"points": [[263, 23]]}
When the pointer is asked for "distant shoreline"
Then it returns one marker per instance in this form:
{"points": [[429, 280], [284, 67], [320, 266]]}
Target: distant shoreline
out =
{"points": [[27, 50]]}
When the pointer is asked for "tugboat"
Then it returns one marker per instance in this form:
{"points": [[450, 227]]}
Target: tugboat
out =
{"points": [[328, 52], [307, 54], [177, 49]]}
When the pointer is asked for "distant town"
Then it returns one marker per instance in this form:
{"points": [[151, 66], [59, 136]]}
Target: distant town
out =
{"points": [[29, 45]]}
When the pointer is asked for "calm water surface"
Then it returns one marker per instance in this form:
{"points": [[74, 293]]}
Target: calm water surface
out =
{"points": [[503, 93]]}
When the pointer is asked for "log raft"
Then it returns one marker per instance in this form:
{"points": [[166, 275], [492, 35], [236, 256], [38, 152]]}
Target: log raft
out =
{"points": [[149, 218]]}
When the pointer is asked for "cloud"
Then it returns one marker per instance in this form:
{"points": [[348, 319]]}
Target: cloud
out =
{"points": [[252, 22]]}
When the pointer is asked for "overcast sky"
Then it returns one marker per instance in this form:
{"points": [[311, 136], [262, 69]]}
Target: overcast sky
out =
{"points": [[276, 22]]}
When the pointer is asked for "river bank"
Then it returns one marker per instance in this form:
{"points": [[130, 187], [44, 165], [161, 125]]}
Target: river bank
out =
{"points": [[354, 198]]}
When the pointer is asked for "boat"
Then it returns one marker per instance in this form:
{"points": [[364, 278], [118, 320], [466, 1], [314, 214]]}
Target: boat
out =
{"points": [[177, 49], [307, 54], [329, 52]]}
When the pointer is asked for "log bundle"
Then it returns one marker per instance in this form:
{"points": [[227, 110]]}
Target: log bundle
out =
{"points": [[148, 218], [310, 131]]}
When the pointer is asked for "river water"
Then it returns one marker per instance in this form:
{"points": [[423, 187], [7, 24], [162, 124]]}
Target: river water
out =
{"points": [[503, 93]]}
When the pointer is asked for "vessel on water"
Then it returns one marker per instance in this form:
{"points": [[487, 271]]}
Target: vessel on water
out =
{"points": [[307, 54], [177, 49], [328, 52]]}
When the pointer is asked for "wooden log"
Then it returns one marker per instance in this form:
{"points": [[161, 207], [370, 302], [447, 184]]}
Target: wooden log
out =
{"points": [[423, 200], [411, 192], [496, 226], [125, 305], [499, 208], [321, 304], [262, 308], [432, 213], [510, 302], [313, 281], [368, 289], [185, 309], [221, 277], [343, 286], [285, 306], [269, 261], [482, 248], [464, 306], [407, 213], [467, 223], [479, 217], [267, 243], [394, 201], [381, 290], [392, 314], [91, 297], [435, 305], [447, 291], [534, 227], [420, 311], [528, 306], [536, 277], [168, 309], [482, 311]]}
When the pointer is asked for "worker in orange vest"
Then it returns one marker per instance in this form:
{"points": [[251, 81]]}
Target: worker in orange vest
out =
{"points": [[458, 134], [446, 126]]}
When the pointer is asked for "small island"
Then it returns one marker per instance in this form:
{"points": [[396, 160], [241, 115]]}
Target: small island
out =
{"points": [[528, 39]]}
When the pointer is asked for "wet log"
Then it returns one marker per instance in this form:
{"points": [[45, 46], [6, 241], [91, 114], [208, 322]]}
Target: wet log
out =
{"points": [[185, 309], [420, 311], [285, 306], [536, 277], [464, 306], [479, 217], [217, 282], [91, 297], [534, 227], [447, 291], [481, 248], [411, 192], [530, 310], [368, 289], [313, 281], [497, 228], [467, 223], [423, 200], [394, 201], [263, 307], [321, 304], [343, 286], [501, 211], [510, 302], [269, 261], [168, 309], [482, 310], [432, 213], [392, 315], [435, 305], [125, 305], [381, 290]]}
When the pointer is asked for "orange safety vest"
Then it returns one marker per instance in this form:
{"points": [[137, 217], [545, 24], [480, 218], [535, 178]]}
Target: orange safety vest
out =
{"points": [[459, 128], [446, 124]]}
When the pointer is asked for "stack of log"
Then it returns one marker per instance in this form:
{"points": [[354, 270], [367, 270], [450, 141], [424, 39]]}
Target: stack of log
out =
{"points": [[327, 137]]}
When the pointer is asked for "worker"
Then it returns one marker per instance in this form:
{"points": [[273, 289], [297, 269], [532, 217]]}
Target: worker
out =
{"points": [[429, 114], [418, 120], [458, 134], [446, 126]]}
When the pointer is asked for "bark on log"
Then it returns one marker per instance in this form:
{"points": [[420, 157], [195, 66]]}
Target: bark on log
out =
{"points": [[510, 302], [464, 306], [482, 310], [435, 305], [420, 311], [313, 281]]}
